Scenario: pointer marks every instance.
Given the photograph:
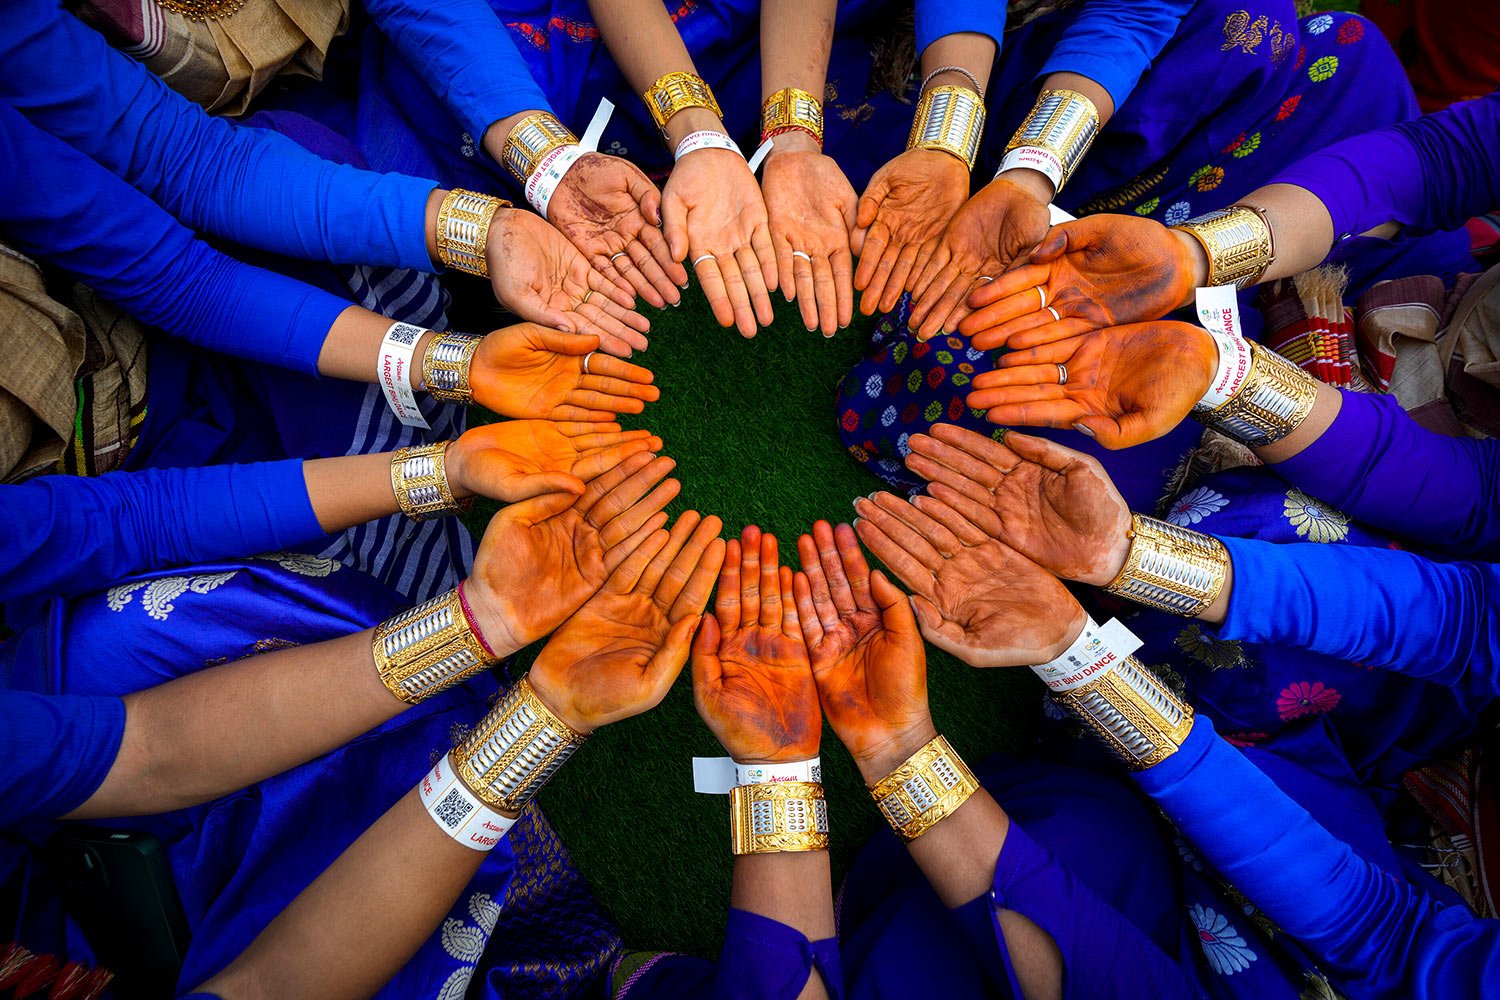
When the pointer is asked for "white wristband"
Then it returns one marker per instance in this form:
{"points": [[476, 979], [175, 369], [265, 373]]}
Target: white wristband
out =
{"points": [[695, 141], [457, 812], [764, 774], [1094, 654], [393, 372], [1219, 312], [543, 182], [1034, 158]]}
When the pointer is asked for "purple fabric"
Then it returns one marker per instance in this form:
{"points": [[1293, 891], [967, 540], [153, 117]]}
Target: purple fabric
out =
{"points": [[764, 959], [1379, 466], [1435, 172]]}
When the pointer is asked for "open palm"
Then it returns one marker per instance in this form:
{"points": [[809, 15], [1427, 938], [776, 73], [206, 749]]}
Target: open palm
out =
{"points": [[527, 370]]}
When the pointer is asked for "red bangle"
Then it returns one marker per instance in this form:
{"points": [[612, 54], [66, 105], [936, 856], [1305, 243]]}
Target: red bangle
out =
{"points": [[463, 602], [792, 128]]}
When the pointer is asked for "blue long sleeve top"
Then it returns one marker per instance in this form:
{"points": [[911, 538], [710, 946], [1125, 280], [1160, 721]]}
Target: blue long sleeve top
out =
{"points": [[1431, 173], [80, 217], [1381, 607], [1381, 467], [66, 535], [1378, 936], [243, 184], [465, 54]]}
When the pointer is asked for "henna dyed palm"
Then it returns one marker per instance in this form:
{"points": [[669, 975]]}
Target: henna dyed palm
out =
{"points": [[527, 370], [619, 654], [866, 651], [1002, 222], [541, 559], [1098, 272], [1126, 384], [975, 597], [811, 208], [516, 459], [752, 681], [901, 216], [1055, 506]]}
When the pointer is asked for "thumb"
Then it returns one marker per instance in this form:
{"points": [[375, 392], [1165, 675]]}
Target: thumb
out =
{"points": [[669, 660], [869, 205], [559, 342], [1102, 429], [927, 615], [895, 614], [707, 671], [674, 227], [646, 195], [526, 487], [539, 508], [1053, 245]]}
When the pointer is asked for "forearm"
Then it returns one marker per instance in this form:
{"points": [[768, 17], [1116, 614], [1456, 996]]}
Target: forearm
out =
{"points": [[645, 44], [795, 39], [970, 50], [793, 888]]}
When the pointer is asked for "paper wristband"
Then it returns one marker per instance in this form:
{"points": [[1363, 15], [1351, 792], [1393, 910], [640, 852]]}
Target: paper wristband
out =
{"points": [[761, 152], [457, 812], [393, 372], [717, 775], [695, 141], [1034, 158], [543, 182], [1094, 654], [1219, 312]]}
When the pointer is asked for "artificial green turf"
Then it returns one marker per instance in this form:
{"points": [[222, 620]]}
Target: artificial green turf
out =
{"points": [[751, 425]]}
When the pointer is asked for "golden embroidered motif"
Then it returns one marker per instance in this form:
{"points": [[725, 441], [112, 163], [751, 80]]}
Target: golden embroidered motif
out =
{"points": [[1243, 33], [1113, 201]]}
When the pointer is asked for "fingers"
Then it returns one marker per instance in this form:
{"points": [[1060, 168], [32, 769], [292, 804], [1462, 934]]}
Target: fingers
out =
{"points": [[649, 255], [770, 581], [842, 264], [967, 532], [936, 629], [630, 520], [827, 296], [1045, 354], [537, 509], [828, 589], [948, 307], [852, 566], [681, 531], [587, 437], [807, 609], [615, 370], [596, 463], [727, 597], [765, 259], [620, 264], [1058, 413], [931, 282], [609, 292], [907, 259], [1048, 454], [895, 610], [616, 554], [621, 510], [627, 575], [525, 487], [562, 342], [727, 312], [937, 535], [688, 581], [907, 568], [605, 266], [806, 292], [674, 228], [974, 512], [955, 463], [760, 280], [791, 624], [708, 673], [1008, 292], [750, 580], [981, 447]]}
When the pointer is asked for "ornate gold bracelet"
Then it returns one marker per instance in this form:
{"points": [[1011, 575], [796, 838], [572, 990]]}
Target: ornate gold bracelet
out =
{"points": [[1238, 241], [463, 230], [676, 92], [1055, 136], [446, 363], [1133, 712], [790, 108], [925, 790], [1276, 397], [950, 119], [1171, 568], [419, 478], [428, 648], [531, 140], [515, 749], [776, 816]]}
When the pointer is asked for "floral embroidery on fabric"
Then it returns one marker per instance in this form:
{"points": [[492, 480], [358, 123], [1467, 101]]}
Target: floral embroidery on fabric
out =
{"points": [[1187, 852], [1320, 24], [1351, 31], [302, 564], [1147, 207], [162, 592], [466, 943], [1247, 147], [1302, 698], [1314, 519], [1207, 178], [1178, 213], [1318, 987], [1219, 654], [1246, 738], [1195, 505], [1226, 950], [1301, 57], [1323, 69], [1287, 107], [873, 385]]}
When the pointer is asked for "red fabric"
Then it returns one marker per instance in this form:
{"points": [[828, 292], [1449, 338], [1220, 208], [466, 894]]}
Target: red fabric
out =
{"points": [[1451, 48]]}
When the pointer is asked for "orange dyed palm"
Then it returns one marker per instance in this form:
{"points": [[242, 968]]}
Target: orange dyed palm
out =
{"points": [[527, 370], [901, 216]]}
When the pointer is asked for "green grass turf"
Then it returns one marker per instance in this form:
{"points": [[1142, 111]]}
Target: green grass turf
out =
{"points": [[751, 425]]}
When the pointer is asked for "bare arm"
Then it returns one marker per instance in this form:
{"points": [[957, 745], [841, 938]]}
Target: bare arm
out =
{"points": [[645, 43]]}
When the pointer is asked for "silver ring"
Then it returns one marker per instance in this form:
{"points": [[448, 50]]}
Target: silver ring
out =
{"points": [[586, 357], [1055, 316], [802, 254], [984, 277], [699, 260], [616, 256], [1062, 374], [1043, 293]]}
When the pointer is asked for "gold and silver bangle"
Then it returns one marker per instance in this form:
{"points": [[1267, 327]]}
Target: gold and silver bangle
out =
{"points": [[1060, 129], [923, 791], [428, 648], [463, 230], [1139, 718], [531, 140], [1276, 397], [676, 92], [778, 816], [515, 749], [420, 481], [950, 119], [1171, 568], [788, 109], [446, 363], [1238, 242]]}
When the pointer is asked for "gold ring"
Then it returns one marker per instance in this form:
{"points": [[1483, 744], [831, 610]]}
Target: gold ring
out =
{"points": [[586, 295]]}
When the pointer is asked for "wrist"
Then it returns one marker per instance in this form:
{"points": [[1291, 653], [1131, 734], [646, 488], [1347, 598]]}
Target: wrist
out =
{"points": [[491, 624], [554, 698], [1033, 182], [454, 464], [689, 120], [881, 758], [1192, 266], [794, 140]]}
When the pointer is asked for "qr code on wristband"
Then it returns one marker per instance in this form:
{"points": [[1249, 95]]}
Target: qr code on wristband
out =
{"points": [[452, 809], [404, 334]]}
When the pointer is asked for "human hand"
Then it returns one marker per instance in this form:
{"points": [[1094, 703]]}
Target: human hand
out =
{"points": [[903, 212], [527, 370], [619, 654], [751, 679], [712, 211], [1126, 384], [539, 560], [516, 459], [611, 212], [867, 655], [974, 596], [538, 275], [1055, 506], [1003, 222], [811, 207], [1099, 271]]}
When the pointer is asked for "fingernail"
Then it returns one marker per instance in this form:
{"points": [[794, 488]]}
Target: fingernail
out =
{"points": [[683, 286], [1080, 428]]}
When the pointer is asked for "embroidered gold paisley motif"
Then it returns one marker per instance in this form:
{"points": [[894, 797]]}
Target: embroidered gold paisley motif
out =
{"points": [[1242, 33]]}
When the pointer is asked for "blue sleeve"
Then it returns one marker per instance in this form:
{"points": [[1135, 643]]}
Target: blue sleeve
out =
{"points": [[1380, 607], [1378, 465], [57, 748], [1434, 172], [1379, 936], [69, 534], [82, 218], [1094, 939], [464, 52], [1113, 42], [248, 185], [936, 18], [764, 959]]}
